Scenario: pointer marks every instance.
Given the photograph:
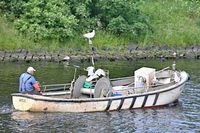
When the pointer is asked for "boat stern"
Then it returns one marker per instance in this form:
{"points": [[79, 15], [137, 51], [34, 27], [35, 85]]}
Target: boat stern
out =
{"points": [[21, 102]]}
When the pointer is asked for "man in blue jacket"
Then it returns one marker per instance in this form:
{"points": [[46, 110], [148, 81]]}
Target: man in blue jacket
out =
{"points": [[28, 83]]}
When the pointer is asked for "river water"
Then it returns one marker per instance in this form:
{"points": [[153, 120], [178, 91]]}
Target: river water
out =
{"points": [[183, 116]]}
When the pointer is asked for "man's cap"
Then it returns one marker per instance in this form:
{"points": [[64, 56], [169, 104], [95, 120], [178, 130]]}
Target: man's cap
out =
{"points": [[30, 69]]}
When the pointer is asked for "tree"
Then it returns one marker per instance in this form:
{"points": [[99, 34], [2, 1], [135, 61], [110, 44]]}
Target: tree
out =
{"points": [[122, 16]]}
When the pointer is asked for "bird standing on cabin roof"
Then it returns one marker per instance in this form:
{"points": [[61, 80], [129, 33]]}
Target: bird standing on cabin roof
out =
{"points": [[89, 36]]}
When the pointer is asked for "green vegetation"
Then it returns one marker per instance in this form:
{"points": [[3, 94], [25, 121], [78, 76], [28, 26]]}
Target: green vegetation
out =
{"points": [[60, 24], [9, 39], [173, 22]]}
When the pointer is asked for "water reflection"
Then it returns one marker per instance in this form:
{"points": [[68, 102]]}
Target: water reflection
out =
{"points": [[22, 116], [141, 120]]}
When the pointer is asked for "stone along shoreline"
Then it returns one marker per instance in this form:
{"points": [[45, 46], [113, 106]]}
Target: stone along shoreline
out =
{"points": [[132, 52]]}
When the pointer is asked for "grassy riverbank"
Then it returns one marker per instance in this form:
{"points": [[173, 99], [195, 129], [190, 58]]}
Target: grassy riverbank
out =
{"points": [[11, 40], [173, 23]]}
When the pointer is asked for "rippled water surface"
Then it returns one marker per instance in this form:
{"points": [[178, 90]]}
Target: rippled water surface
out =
{"points": [[183, 116]]}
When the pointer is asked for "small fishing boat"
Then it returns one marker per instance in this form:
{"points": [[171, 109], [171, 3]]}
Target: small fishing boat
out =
{"points": [[96, 92]]}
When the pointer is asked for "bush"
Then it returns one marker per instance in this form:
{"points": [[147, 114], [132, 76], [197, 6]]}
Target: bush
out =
{"points": [[63, 19]]}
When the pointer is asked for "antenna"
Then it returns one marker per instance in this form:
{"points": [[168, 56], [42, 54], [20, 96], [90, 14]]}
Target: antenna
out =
{"points": [[174, 62]]}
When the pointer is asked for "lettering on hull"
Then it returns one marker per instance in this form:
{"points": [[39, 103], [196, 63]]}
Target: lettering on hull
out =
{"points": [[22, 100]]}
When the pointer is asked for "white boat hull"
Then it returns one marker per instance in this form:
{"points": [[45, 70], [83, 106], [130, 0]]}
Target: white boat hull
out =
{"points": [[36, 103]]}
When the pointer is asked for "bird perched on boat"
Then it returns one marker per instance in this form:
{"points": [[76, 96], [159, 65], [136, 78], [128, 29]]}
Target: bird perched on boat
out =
{"points": [[90, 70], [93, 75], [89, 36]]}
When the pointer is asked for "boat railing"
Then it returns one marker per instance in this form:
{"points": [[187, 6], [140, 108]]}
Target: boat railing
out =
{"points": [[55, 87], [166, 68], [140, 90], [122, 78]]}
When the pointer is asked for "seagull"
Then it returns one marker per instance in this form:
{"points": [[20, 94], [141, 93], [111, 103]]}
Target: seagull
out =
{"points": [[95, 75], [89, 36], [90, 70]]}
